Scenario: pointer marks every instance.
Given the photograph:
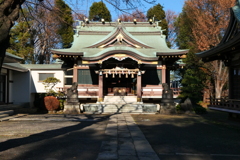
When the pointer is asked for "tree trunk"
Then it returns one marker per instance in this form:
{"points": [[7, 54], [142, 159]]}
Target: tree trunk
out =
{"points": [[9, 12], [220, 77]]}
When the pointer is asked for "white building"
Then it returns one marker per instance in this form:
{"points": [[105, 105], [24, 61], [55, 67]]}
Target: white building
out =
{"points": [[19, 83]]}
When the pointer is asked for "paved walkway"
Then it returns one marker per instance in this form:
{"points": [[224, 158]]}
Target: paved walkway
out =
{"points": [[105, 137], [126, 141]]}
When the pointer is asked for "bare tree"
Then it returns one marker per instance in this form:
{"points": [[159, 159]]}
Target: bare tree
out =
{"points": [[171, 17], [137, 15]]}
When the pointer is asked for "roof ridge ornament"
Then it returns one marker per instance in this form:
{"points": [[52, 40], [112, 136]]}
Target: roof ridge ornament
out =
{"points": [[119, 38]]}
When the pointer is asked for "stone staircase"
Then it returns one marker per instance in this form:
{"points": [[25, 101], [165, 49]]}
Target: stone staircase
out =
{"points": [[5, 114], [119, 104], [120, 108]]}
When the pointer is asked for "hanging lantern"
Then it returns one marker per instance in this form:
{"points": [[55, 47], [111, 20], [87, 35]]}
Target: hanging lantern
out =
{"points": [[132, 75], [113, 75], [106, 75], [119, 75], [109, 71], [126, 75]]}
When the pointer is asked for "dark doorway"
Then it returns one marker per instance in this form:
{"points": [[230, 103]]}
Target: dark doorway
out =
{"points": [[2, 88]]}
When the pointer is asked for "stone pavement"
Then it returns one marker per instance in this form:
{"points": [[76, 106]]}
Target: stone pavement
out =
{"points": [[126, 141]]}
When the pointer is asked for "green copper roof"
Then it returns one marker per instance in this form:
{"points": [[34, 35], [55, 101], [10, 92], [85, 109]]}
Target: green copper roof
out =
{"points": [[13, 56], [142, 38]]}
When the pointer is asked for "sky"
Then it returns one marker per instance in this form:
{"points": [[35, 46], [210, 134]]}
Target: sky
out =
{"points": [[84, 5]]}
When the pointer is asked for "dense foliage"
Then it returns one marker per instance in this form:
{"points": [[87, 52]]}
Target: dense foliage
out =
{"points": [[99, 11], [65, 22], [157, 13]]}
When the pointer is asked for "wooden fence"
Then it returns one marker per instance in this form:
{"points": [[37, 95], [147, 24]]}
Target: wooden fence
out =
{"points": [[224, 103]]}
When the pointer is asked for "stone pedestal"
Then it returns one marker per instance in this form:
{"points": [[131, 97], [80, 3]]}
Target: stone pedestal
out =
{"points": [[167, 105], [72, 108], [167, 108], [72, 105]]}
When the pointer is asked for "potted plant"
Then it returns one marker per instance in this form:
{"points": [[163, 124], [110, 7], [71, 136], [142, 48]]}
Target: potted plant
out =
{"points": [[50, 100]]}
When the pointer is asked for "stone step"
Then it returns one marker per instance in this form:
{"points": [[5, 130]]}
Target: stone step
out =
{"points": [[119, 99], [9, 112], [123, 108], [112, 111], [3, 115]]}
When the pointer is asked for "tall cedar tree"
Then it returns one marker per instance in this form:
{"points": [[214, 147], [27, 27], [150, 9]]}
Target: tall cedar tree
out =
{"points": [[65, 22], [99, 11], [158, 14]]}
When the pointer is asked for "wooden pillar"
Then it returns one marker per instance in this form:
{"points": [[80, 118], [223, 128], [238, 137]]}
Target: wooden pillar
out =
{"points": [[75, 74], [139, 88], [164, 74], [230, 82], [100, 88]]}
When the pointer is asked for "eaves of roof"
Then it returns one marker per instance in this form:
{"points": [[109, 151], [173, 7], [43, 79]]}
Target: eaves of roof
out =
{"points": [[15, 67], [43, 66]]}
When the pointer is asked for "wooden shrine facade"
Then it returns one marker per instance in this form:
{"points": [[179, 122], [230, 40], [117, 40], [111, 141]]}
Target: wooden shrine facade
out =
{"points": [[119, 59]]}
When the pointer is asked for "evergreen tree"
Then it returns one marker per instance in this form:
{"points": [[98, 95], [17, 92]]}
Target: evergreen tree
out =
{"points": [[193, 76], [65, 20], [98, 10], [21, 40], [158, 14]]}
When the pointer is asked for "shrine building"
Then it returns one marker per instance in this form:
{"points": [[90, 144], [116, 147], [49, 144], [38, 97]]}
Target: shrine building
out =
{"points": [[119, 58]]}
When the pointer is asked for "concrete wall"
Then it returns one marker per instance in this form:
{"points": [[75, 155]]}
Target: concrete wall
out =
{"points": [[38, 87], [20, 88]]}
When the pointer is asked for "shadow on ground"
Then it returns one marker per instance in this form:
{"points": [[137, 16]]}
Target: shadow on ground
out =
{"points": [[76, 140], [183, 137]]}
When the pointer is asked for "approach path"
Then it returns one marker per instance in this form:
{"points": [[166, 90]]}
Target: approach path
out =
{"points": [[126, 141]]}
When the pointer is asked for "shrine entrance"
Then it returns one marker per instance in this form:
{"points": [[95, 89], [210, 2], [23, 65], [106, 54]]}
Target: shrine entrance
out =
{"points": [[120, 77], [119, 84]]}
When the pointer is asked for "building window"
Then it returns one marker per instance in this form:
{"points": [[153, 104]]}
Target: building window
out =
{"points": [[43, 76], [86, 76], [68, 80], [156, 77]]}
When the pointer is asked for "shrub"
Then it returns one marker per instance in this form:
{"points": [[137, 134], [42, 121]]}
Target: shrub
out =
{"points": [[61, 104], [199, 110], [178, 107], [51, 103], [49, 85]]}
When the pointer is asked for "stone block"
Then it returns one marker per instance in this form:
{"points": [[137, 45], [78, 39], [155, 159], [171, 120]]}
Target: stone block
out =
{"points": [[72, 108]]}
